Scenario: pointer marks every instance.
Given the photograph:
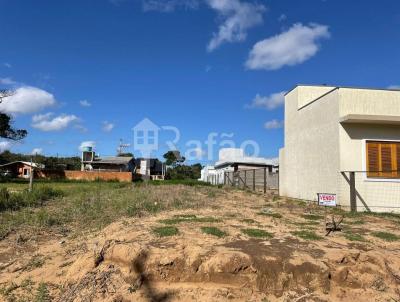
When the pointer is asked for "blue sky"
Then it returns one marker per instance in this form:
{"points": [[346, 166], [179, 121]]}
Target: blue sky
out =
{"points": [[90, 70]]}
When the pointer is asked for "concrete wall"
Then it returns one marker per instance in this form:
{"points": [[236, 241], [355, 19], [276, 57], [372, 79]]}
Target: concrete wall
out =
{"points": [[309, 161], [380, 195], [369, 102], [103, 175]]}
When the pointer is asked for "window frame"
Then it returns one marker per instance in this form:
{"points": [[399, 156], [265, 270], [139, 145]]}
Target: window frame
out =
{"points": [[383, 178]]}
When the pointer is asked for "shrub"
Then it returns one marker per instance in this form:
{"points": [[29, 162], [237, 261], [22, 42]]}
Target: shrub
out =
{"points": [[213, 231], [166, 231]]}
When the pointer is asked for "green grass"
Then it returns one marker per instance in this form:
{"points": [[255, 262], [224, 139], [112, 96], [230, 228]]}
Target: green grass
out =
{"points": [[166, 231], [312, 217], [249, 220], [83, 206], [307, 235], [358, 222], [257, 233], [42, 293], [186, 182], [189, 218], [386, 236], [274, 215], [213, 231], [354, 237]]}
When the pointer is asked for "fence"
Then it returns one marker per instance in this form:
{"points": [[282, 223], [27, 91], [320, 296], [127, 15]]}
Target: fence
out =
{"points": [[252, 179], [369, 191]]}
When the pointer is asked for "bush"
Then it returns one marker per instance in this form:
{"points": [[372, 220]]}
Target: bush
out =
{"points": [[15, 201]]}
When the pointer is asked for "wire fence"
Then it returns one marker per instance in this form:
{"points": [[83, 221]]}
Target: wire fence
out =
{"points": [[369, 191], [252, 179]]}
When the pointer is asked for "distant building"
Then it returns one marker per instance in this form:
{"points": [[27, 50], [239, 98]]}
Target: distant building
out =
{"points": [[150, 168], [91, 162], [233, 160], [21, 169]]}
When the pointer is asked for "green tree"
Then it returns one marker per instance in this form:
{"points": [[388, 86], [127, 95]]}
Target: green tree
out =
{"points": [[172, 158], [6, 131]]}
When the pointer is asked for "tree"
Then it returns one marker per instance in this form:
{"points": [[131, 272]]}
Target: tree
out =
{"points": [[172, 158], [6, 131]]}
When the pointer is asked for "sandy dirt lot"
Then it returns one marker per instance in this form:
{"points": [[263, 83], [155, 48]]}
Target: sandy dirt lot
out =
{"points": [[239, 246]]}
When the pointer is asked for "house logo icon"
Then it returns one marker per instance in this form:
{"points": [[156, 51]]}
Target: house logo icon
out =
{"points": [[145, 137]]}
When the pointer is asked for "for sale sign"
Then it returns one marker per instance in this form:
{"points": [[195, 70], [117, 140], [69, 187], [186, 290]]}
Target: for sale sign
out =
{"points": [[326, 199]]}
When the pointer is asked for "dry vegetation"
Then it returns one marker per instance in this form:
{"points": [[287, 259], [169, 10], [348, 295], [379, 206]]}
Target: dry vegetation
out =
{"points": [[114, 242]]}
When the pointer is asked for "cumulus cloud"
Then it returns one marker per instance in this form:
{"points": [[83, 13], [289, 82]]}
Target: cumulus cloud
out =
{"points": [[37, 151], [85, 103], [269, 102], [5, 145], [107, 126], [7, 81], [237, 18], [46, 122], [27, 99], [85, 144], [166, 6], [291, 47], [273, 124]]}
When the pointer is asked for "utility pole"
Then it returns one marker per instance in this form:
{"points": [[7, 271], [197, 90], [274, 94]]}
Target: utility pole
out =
{"points": [[31, 176]]}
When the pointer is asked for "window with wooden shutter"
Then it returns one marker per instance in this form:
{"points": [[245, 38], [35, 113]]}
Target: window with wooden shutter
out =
{"points": [[383, 159]]}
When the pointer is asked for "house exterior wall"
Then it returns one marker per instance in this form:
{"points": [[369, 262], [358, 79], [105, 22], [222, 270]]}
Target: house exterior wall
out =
{"points": [[369, 102], [378, 194], [309, 161], [318, 148]]}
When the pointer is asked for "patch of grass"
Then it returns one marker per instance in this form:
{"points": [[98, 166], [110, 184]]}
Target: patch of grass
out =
{"points": [[35, 262], [166, 231], [42, 293], [307, 235], [257, 233], [354, 237], [249, 220], [274, 215], [213, 231], [307, 223], [186, 182], [312, 217], [386, 236], [188, 218], [356, 222]]}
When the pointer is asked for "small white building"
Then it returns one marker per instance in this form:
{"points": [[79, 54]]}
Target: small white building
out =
{"points": [[338, 138], [233, 160]]}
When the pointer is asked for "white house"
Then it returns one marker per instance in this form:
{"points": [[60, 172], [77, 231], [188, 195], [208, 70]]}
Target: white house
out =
{"points": [[333, 131], [233, 160]]}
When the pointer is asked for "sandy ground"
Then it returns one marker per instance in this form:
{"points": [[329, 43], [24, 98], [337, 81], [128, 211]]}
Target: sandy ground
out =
{"points": [[127, 261]]}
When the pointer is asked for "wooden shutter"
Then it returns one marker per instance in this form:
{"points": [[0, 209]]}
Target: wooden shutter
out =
{"points": [[386, 160], [383, 159], [372, 159], [397, 167]]}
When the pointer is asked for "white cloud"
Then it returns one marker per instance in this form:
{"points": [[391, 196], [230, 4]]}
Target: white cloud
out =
{"points": [[46, 122], [291, 47], [4, 146], [37, 151], [167, 6], [7, 81], [85, 103], [107, 126], [269, 102], [274, 124], [87, 144], [394, 87], [27, 99], [8, 65], [237, 17]]}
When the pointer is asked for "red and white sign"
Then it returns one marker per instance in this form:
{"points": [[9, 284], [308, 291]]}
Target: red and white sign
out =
{"points": [[328, 200]]}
